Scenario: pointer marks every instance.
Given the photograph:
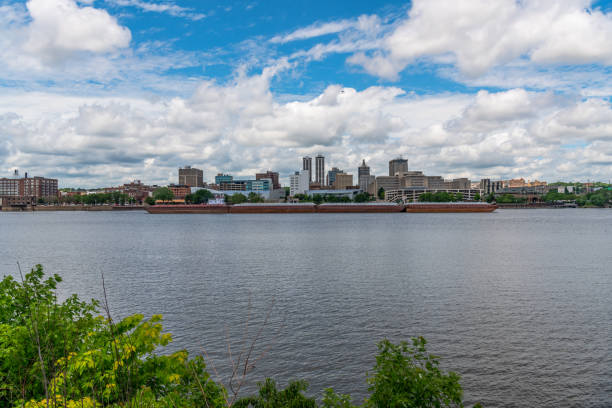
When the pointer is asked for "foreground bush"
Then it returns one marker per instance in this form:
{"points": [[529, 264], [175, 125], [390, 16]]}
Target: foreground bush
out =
{"points": [[66, 355]]}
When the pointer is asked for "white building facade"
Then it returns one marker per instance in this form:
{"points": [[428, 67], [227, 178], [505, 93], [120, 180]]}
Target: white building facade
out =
{"points": [[299, 183]]}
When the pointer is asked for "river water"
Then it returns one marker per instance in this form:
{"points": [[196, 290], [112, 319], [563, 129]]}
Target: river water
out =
{"points": [[518, 302]]}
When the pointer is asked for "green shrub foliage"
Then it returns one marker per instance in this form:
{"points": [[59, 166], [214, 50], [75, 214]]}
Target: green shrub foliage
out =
{"points": [[66, 354]]}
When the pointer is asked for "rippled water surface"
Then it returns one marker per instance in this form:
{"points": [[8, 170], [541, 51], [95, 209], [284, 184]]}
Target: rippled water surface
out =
{"points": [[519, 302]]}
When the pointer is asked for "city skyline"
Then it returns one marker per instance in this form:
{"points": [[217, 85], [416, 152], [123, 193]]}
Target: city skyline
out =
{"points": [[133, 90]]}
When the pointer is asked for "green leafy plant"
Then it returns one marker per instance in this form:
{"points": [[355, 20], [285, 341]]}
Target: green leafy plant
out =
{"points": [[270, 397], [408, 376]]}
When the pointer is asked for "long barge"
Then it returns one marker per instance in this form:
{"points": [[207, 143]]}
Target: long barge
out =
{"points": [[188, 209], [449, 207], [359, 208], [269, 208], [293, 208]]}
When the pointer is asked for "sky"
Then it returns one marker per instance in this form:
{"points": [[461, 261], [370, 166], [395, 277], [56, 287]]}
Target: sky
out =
{"points": [[101, 92]]}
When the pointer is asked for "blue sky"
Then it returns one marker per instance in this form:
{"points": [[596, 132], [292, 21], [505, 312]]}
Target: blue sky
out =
{"points": [[100, 92]]}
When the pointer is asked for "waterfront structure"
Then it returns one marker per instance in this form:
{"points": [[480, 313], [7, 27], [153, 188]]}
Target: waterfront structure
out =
{"points": [[262, 190], [320, 170], [343, 181], [190, 176], [410, 194], [398, 165], [272, 175], [331, 175], [532, 194], [299, 183], [307, 165], [351, 193]]}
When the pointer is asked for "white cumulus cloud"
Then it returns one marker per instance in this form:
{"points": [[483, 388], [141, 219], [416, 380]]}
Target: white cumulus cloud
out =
{"points": [[60, 28], [478, 35]]}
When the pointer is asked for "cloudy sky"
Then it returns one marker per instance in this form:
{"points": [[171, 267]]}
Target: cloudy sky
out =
{"points": [[100, 92]]}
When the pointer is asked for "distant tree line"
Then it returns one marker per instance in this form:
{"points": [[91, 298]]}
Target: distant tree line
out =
{"points": [[115, 197]]}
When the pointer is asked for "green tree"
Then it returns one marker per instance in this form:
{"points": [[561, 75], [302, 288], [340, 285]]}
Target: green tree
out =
{"points": [[150, 201], [36, 330], [255, 198], [60, 354], [238, 198], [317, 198], [459, 197], [163, 194], [408, 376], [202, 196], [477, 197], [381, 193], [362, 198]]}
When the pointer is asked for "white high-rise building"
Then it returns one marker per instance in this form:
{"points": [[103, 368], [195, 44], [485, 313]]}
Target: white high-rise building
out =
{"points": [[299, 182]]}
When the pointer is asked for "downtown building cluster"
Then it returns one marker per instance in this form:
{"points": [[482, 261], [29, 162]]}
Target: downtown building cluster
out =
{"points": [[314, 178], [400, 183]]}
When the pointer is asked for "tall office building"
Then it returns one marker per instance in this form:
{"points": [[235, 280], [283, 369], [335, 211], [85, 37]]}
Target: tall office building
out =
{"points": [[307, 165], [363, 170], [190, 176], [398, 165], [299, 183], [320, 170], [363, 176], [331, 175]]}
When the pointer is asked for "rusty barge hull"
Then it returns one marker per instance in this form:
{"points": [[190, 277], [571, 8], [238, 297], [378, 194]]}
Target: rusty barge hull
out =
{"points": [[356, 208], [188, 209], [306, 208], [272, 209], [449, 208]]}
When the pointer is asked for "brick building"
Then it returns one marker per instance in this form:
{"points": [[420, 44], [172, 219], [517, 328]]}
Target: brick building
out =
{"points": [[35, 187], [179, 191], [269, 175]]}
